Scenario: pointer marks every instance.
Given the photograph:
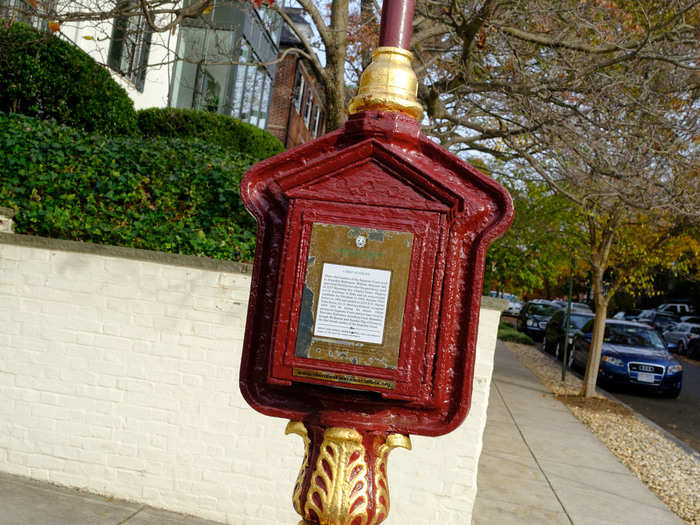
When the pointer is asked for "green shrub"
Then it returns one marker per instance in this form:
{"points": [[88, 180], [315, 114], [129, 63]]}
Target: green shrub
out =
{"points": [[172, 195], [507, 332], [214, 128], [45, 77]]}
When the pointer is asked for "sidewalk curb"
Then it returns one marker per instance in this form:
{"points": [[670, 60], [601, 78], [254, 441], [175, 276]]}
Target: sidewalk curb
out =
{"points": [[681, 444]]}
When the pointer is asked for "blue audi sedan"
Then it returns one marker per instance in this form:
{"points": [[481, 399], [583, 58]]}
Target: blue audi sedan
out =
{"points": [[633, 354]]}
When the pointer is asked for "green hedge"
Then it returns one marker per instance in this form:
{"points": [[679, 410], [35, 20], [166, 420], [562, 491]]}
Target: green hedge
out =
{"points": [[45, 77], [172, 195], [214, 128], [507, 332]]}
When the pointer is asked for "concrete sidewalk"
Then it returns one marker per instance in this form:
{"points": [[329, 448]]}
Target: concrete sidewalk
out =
{"points": [[540, 465], [27, 502]]}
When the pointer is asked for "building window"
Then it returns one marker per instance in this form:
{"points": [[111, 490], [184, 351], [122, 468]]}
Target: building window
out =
{"points": [[210, 90], [203, 80], [298, 92], [222, 64], [129, 48], [265, 103], [251, 97], [317, 120], [307, 108], [241, 72]]}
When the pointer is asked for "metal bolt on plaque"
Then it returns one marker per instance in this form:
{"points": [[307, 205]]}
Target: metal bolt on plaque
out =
{"points": [[366, 288]]}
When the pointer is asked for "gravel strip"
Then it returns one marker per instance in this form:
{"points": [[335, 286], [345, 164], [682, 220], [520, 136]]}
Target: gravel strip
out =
{"points": [[668, 470]]}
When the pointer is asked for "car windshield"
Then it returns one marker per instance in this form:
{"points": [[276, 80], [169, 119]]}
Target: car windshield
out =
{"points": [[542, 309], [632, 336], [577, 321]]}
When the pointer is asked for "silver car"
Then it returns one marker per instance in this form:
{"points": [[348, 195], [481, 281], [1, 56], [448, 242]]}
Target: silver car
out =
{"points": [[680, 336], [514, 304]]}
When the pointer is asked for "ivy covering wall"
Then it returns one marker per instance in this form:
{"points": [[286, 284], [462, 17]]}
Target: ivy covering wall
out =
{"points": [[169, 194], [214, 128]]}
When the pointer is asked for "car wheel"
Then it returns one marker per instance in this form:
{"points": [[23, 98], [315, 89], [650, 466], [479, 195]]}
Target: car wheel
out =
{"points": [[673, 394], [572, 363], [559, 353], [682, 349]]}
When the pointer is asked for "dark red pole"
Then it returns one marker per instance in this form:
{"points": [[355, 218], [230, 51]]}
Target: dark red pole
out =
{"points": [[397, 23]]}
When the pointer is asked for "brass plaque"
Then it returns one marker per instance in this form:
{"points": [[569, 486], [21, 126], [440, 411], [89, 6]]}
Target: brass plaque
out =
{"points": [[348, 379], [354, 296]]}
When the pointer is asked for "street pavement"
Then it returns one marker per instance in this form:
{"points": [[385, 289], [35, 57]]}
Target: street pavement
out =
{"points": [[539, 466]]}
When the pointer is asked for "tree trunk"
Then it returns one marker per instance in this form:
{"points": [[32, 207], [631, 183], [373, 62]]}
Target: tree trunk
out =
{"points": [[596, 346], [366, 18], [335, 103], [335, 64]]}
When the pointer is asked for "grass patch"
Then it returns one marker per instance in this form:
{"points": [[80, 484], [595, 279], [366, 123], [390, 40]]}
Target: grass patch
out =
{"points": [[506, 332]]}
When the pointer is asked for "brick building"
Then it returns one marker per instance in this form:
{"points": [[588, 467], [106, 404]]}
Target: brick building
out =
{"points": [[297, 109]]}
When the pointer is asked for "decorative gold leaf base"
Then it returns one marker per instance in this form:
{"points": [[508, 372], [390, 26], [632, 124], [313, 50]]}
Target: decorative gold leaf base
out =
{"points": [[389, 83], [343, 478]]}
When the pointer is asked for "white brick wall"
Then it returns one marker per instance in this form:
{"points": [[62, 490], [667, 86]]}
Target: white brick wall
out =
{"points": [[120, 376]]}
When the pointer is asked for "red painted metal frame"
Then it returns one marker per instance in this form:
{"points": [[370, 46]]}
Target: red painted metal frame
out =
{"points": [[378, 161], [409, 373]]}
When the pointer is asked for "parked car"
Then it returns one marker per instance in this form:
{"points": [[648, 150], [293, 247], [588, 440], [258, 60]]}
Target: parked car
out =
{"points": [[632, 354], [694, 348], [514, 304], [553, 341], [658, 320], [627, 315], [680, 336], [574, 306], [534, 316], [676, 308], [514, 307]]}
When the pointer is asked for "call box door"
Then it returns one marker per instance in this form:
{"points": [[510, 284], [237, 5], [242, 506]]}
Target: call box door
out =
{"points": [[363, 280]]}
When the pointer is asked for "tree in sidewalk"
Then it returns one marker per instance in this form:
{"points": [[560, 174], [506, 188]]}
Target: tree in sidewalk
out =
{"points": [[626, 248], [628, 160]]}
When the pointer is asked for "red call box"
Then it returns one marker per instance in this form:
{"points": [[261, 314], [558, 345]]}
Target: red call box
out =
{"points": [[367, 278]]}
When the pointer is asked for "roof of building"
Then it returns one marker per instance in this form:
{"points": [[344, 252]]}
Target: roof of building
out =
{"points": [[287, 36]]}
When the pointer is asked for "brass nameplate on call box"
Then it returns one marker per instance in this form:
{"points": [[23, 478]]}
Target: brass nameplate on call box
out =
{"points": [[354, 295]]}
